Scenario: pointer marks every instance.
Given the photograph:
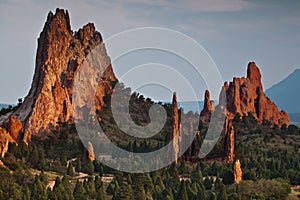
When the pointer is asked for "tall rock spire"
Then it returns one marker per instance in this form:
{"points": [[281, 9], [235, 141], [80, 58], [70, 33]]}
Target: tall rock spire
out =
{"points": [[208, 107], [245, 95], [59, 56]]}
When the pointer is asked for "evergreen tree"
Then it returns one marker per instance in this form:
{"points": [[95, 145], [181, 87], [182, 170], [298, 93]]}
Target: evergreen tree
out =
{"points": [[51, 195], [43, 178], [197, 175], [67, 187], [129, 179], [78, 165], [222, 194], [41, 165], [90, 187], [213, 196], [79, 191], [25, 193], [138, 188], [34, 156], [39, 190], [124, 192], [63, 158], [101, 193], [218, 183], [201, 194], [89, 167], [98, 183], [182, 194], [207, 183], [70, 170]]}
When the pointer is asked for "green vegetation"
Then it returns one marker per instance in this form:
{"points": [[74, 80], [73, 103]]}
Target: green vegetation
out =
{"points": [[54, 167]]}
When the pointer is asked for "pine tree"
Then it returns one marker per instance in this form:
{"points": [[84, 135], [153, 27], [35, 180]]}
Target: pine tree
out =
{"points": [[63, 158], [41, 165], [218, 183], [98, 183], [222, 194], [89, 168], [197, 175], [90, 187], [70, 170], [25, 193], [78, 165], [101, 193], [123, 193], [34, 157], [39, 190], [43, 178], [182, 194], [213, 196], [138, 188], [79, 191], [67, 187], [201, 194]]}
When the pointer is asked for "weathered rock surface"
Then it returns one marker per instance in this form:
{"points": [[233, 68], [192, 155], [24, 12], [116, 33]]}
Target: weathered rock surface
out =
{"points": [[228, 142], [13, 127], [88, 153], [5, 139], [59, 56], [175, 128], [237, 172], [208, 108], [245, 95]]}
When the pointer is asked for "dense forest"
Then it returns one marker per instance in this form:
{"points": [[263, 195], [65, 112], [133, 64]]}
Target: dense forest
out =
{"points": [[56, 167]]}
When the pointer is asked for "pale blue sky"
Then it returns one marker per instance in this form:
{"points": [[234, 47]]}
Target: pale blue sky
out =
{"points": [[233, 32]]}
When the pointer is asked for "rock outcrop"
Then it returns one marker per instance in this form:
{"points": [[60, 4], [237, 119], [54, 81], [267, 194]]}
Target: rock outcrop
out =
{"points": [[60, 54], [88, 153], [173, 152], [14, 127], [208, 108], [237, 172], [5, 139], [9, 132], [245, 95], [228, 141]]}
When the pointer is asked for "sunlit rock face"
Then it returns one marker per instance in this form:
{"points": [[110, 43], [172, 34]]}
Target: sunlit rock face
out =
{"points": [[60, 54]]}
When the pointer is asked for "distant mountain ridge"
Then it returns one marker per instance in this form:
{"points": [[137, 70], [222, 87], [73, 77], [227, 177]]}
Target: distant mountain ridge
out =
{"points": [[4, 105], [286, 93]]}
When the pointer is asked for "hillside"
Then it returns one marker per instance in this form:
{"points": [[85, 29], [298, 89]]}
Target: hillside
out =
{"points": [[286, 93], [243, 148]]}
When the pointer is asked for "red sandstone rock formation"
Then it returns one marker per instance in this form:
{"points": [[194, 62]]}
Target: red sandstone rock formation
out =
{"points": [[89, 153], [5, 139], [173, 152], [245, 95], [13, 127], [9, 132], [228, 141], [59, 55], [208, 108], [237, 172]]}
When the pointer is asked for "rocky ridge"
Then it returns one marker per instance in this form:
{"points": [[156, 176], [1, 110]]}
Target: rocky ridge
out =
{"points": [[245, 95], [60, 54]]}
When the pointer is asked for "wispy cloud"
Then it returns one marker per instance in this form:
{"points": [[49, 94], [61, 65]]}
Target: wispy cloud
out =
{"points": [[197, 5]]}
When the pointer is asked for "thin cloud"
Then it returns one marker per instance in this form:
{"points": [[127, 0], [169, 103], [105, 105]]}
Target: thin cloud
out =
{"points": [[197, 5]]}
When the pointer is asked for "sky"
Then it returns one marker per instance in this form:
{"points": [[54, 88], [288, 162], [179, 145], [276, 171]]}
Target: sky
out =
{"points": [[233, 32]]}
